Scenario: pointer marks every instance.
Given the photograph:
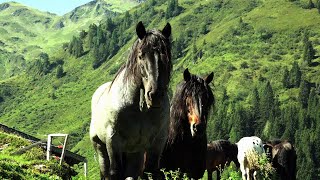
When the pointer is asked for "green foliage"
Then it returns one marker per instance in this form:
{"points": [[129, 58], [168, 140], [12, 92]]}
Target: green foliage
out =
{"points": [[59, 72], [308, 50], [76, 47], [31, 164], [174, 175], [304, 93], [173, 9], [230, 173], [246, 43]]}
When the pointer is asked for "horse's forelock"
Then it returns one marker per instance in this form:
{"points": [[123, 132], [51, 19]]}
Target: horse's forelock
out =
{"points": [[178, 111], [153, 40]]}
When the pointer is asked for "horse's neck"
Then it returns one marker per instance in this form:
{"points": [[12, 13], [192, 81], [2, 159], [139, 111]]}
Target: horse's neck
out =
{"points": [[180, 133], [128, 90]]}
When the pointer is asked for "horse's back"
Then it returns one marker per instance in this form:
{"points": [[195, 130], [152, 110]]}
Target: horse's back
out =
{"points": [[96, 97], [249, 144], [104, 88]]}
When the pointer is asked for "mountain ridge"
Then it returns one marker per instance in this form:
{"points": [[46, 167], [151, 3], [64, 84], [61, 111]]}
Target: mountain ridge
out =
{"points": [[247, 48], [38, 31]]}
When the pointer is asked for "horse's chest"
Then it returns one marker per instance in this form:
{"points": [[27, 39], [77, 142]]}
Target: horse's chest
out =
{"points": [[137, 130]]}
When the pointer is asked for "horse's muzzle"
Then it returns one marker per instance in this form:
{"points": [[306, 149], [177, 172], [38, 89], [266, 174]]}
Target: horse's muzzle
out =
{"points": [[198, 130], [153, 100]]}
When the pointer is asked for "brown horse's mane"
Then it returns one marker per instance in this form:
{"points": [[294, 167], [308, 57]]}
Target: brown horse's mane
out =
{"points": [[155, 40], [179, 125]]}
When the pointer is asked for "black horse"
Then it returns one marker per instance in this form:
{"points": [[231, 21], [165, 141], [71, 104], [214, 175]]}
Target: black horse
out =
{"points": [[187, 140], [219, 154], [283, 157]]}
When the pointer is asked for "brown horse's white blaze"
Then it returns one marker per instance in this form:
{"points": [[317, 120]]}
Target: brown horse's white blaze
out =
{"points": [[193, 116], [187, 141]]}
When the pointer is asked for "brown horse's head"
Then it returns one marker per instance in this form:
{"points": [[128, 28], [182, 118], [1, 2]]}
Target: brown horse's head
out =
{"points": [[198, 101], [190, 106]]}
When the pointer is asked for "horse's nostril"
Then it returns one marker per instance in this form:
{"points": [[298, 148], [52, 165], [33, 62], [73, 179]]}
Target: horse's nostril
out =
{"points": [[194, 128], [149, 95], [199, 127]]}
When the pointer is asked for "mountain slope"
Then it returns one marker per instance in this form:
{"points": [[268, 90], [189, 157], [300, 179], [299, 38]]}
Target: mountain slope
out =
{"points": [[26, 32], [245, 43]]}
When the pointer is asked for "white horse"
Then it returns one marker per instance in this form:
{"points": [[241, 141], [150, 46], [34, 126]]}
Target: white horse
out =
{"points": [[248, 147], [130, 115]]}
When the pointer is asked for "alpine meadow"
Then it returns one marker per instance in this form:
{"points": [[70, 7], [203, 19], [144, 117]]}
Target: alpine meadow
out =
{"points": [[264, 54]]}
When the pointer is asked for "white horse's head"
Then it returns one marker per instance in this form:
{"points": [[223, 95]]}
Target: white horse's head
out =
{"points": [[153, 58]]}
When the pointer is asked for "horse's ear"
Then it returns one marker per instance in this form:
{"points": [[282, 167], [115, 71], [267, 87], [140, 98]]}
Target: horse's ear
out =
{"points": [[209, 78], [267, 148], [186, 75], [141, 30], [166, 31]]}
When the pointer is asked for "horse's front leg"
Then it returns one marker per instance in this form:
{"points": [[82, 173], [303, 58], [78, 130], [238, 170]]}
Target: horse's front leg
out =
{"points": [[153, 155], [102, 155], [115, 160]]}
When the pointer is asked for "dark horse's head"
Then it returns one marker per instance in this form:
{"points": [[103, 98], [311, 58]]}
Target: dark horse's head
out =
{"points": [[190, 106], [150, 64]]}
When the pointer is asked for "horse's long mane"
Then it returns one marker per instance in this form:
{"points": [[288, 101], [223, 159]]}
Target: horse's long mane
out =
{"points": [[179, 125], [153, 40]]}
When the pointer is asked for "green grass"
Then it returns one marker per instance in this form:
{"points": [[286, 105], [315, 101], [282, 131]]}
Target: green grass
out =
{"points": [[27, 165], [31, 108]]}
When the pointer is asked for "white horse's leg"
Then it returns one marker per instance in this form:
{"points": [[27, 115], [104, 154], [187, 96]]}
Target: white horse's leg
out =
{"points": [[248, 173], [243, 171], [115, 158], [102, 155], [255, 175]]}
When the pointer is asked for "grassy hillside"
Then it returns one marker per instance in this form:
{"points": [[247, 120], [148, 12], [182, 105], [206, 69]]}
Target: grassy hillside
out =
{"points": [[29, 165], [245, 43], [26, 32]]}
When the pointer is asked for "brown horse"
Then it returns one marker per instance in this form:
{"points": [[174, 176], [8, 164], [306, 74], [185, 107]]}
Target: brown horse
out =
{"points": [[219, 154], [283, 158], [187, 140]]}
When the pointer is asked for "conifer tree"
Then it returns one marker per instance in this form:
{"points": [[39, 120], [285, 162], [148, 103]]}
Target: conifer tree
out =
{"points": [[266, 107], [173, 9], [255, 105], [291, 122], [60, 72], [308, 50], [286, 78], [304, 93], [296, 75], [310, 5], [318, 5], [267, 101], [313, 105], [194, 52], [92, 33], [238, 117]]}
